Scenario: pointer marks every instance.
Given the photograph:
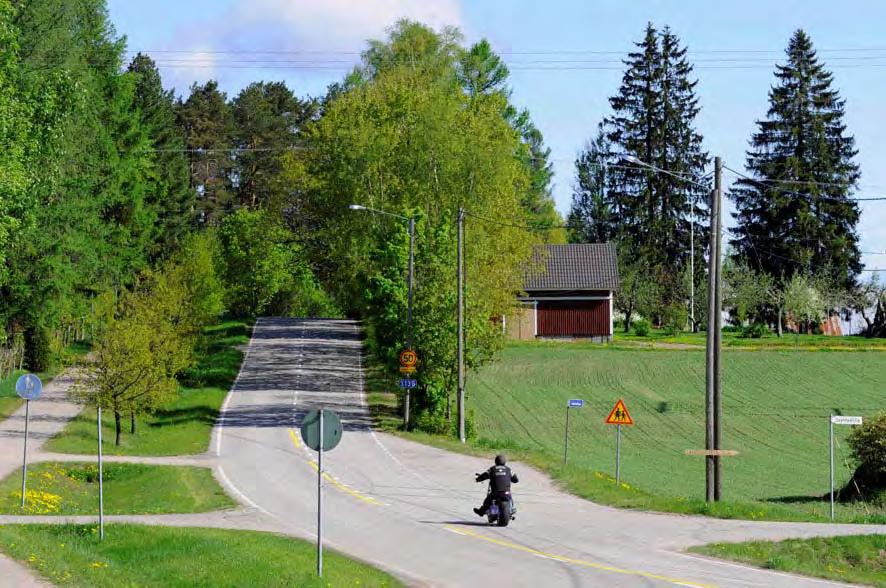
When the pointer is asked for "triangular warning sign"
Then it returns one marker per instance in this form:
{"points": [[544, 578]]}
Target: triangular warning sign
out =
{"points": [[619, 415]]}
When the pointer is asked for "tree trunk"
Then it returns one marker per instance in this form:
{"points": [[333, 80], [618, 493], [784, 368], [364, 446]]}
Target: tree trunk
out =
{"points": [[132, 423], [117, 427], [780, 322]]}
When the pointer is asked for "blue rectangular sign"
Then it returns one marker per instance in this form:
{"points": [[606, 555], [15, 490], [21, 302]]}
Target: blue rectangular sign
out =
{"points": [[408, 384], [576, 403]]}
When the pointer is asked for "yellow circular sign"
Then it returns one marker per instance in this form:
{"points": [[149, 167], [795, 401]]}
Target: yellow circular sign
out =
{"points": [[408, 359]]}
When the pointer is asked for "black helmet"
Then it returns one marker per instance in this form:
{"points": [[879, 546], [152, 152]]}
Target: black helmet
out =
{"points": [[500, 460]]}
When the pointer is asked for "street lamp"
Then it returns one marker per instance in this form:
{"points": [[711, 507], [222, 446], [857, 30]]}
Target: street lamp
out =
{"points": [[410, 284]]}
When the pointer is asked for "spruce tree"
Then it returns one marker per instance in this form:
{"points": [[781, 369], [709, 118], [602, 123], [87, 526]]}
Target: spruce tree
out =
{"points": [[653, 116], [796, 214], [168, 179]]}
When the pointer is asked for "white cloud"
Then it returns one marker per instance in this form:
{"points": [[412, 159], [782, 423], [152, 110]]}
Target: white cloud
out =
{"points": [[346, 24]]}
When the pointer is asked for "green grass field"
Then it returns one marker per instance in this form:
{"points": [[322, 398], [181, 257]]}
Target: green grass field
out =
{"points": [[133, 555], [182, 427], [775, 404], [860, 559], [769, 341], [72, 489]]}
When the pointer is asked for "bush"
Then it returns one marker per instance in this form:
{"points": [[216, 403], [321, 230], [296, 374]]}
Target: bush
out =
{"points": [[641, 327], [754, 331], [38, 349], [868, 444], [674, 318]]}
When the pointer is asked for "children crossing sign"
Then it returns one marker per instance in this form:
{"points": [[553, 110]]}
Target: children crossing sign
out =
{"points": [[619, 415]]}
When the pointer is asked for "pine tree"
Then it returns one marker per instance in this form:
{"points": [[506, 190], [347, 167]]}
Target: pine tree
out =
{"points": [[206, 120], [795, 215], [267, 115], [168, 178]]}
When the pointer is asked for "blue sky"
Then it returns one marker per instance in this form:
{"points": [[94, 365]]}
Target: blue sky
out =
{"points": [[566, 103]]}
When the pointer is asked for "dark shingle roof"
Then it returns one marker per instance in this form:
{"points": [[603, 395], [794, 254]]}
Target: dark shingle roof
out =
{"points": [[585, 266]]}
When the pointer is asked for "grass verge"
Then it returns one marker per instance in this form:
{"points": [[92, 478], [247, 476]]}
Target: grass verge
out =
{"points": [[857, 559], [72, 489], [133, 555], [182, 427]]}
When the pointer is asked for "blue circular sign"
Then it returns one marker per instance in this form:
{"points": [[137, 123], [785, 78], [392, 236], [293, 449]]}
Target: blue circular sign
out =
{"points": [[29, 387]]}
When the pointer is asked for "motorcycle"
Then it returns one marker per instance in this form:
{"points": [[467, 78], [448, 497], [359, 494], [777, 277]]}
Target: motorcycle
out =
{"points": [[502, 510]]}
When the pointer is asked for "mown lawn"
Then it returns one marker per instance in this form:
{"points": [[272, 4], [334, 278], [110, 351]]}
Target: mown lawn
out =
{"points": [[184, 426], [775, 413], [72, 489], [133, 555], [858, 559]]}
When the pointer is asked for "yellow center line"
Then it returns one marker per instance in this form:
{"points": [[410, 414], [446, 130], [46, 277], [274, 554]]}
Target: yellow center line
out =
{"points": [[326, 476], [569, 560]]}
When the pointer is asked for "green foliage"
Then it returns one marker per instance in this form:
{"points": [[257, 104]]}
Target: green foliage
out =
{"points": [[260, 259], [38, 349], [868, 444], [194, 268], [648, 214], [405, 136], [641, 327], [754, 331], [800, 218]]}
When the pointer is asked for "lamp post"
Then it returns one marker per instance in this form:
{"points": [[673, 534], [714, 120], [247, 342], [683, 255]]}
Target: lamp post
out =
{"points": [[410, 285]]}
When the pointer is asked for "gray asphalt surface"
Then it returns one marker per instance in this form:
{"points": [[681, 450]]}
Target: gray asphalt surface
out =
{"points": [[407, 507]]}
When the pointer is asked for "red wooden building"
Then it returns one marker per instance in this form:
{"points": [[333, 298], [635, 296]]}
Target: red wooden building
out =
{"points": [[568, 294]]}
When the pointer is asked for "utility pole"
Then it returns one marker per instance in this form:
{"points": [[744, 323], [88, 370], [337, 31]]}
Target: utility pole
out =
{"points": [[692, 265], [718, 330], [712, 375], [411, 282], [461, 325]]}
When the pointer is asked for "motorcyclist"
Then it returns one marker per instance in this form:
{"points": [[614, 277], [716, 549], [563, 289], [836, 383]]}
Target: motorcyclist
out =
{"points": [[500, 479]]}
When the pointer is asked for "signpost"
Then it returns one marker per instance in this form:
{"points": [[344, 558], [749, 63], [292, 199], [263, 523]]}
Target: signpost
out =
{"points": [[408, 361], [838, 420], [29, 387], [321, 431], [573, 403], [619, 416]]}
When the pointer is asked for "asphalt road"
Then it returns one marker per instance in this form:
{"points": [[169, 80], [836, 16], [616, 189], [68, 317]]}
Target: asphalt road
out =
{"points": [[407, 508]]}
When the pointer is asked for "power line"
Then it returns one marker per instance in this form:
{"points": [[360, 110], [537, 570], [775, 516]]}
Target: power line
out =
{"points": [[800, 194]]}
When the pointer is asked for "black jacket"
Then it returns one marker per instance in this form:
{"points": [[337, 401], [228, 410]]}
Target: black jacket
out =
{"points": [[500, 478]]}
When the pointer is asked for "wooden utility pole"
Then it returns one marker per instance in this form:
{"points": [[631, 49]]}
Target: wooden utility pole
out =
{"points": [[718, 329], [712, 373], [461, 324]]}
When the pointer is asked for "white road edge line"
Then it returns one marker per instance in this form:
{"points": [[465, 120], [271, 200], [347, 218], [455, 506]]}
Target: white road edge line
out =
{"points": [[227, 482], [222, 414]]}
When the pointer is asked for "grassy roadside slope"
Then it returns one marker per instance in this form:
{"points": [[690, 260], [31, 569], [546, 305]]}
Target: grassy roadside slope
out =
{"points": [[182, 427], [857, 559], [776, 406], [134, 555]]}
